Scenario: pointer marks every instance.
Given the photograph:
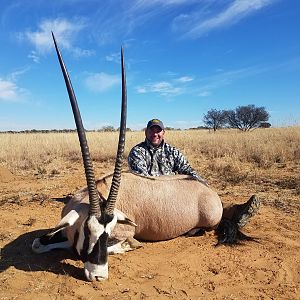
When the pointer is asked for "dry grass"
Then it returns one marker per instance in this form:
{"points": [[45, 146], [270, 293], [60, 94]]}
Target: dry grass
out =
{"points": [[227, 157], [264, 161], [260, 148]]}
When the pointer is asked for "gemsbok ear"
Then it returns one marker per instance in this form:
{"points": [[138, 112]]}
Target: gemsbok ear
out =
{"points": [[68, 220], [123, 219]]}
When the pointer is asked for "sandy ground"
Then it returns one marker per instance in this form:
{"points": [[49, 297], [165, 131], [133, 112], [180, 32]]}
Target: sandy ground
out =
{"points": [[183, 268]]}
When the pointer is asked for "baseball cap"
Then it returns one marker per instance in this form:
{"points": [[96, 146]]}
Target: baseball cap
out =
{"points": [[156, 122]]}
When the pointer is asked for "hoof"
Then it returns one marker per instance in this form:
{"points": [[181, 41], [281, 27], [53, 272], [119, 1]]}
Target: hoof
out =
{"points": [[246, 211]]}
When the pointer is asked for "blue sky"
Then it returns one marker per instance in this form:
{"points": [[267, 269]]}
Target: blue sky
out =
{"points": [[183, 58]]}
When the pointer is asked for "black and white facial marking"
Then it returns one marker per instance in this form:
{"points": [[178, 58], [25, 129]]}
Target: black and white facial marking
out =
{"points": [[91, 245]]}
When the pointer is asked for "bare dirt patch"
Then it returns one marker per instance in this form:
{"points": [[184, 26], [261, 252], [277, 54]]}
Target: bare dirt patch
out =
{"points": [[183, 268], [5, 175]]}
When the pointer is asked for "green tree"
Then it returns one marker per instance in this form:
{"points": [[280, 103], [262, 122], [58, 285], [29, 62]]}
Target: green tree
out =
{"points": [[247, 117], [215, 119], [107, 128]]}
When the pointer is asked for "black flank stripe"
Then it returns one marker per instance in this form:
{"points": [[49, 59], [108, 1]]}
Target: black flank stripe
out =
{"points": [[76, 237], [86, 242], [50, 238]]}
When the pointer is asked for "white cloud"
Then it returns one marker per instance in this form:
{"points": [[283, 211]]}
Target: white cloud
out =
{"points": [[162, 88], [101, 82], [78, 52], [108, 24], [185, 79], [173, 87], [141, 90], [204, 93], [34, 56], [65, 32], [198, 23], [170, 74], [118, 24], [197, 18], [115, 57], [205, 86], [9, 91], [14, 75]]}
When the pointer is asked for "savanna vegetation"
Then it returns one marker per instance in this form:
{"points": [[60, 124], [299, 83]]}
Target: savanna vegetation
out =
{"points": [[39, 170], [244, 118], [263, 148], [226, 156]]}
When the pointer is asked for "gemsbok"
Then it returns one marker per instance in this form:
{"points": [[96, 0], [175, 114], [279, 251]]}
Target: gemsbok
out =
{"points": [[111, 214]]}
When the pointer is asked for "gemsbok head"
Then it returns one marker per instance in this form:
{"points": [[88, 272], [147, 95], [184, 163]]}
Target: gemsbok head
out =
{"points": [[90, 239]]}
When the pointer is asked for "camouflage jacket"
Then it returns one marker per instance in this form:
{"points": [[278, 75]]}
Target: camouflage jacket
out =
{"points": [[147, 160]]}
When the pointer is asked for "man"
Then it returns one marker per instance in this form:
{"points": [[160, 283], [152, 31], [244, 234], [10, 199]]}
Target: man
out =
{"points": [[154, 157]]}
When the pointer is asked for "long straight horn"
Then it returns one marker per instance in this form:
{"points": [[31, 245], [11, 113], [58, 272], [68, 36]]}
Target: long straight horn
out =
{"points": [[115, 184], [88, 167]]}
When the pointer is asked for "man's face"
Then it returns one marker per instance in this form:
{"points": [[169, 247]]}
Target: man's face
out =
{"points": [[155, 135]]}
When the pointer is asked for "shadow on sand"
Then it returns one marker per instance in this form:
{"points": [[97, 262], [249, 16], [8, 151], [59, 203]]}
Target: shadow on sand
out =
{"points": [[18, 254]]}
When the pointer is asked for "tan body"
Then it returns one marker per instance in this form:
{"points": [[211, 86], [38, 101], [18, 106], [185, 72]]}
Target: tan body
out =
{"points": [[162, 207]]}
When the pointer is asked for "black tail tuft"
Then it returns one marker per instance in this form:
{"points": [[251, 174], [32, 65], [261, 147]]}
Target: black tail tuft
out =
{"points": [[228, 233]]}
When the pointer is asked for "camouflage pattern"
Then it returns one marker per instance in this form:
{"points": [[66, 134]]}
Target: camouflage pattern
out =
{"points": [[144, 159]]}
